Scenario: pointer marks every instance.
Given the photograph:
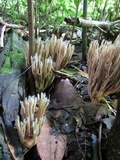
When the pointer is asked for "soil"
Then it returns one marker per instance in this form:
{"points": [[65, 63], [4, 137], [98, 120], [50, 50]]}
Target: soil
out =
{"points": [[71, 112]]}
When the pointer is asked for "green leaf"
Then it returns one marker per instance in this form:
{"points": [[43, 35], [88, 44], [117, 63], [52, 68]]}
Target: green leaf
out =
{"points": [[77, 2], [70, 71]]}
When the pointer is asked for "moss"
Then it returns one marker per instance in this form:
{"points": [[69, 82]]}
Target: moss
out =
{"points": [[15, 60], [6, 68], [17, 57]]}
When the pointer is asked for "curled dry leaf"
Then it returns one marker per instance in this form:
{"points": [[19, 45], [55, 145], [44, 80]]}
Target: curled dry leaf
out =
{"points": [[66, 94], [51, 144]]}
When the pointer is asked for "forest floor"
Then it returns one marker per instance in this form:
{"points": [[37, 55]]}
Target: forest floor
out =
{"points": [[75, 128], [78, 129]]}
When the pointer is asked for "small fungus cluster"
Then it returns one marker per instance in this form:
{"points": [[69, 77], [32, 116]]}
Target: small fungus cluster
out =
{"points": [[31, 119], [103, 69], [50, 55]]}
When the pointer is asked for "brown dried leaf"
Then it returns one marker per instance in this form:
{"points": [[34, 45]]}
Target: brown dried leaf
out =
{"points": [[50, 145], [66, 94]]}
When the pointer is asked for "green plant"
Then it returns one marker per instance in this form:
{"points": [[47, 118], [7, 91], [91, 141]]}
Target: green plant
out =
{"points": [[14, 10], [15, 60], [6, 68], [17, 56], [50, 14]]}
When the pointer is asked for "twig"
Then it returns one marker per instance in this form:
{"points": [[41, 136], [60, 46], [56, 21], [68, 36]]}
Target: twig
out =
{"points": [[77, 7], [95, 147], [50, 12], [82, 73], [99, 140], [111, 109], [66, 75], [80, 148], [10, 25], [17, 77]]}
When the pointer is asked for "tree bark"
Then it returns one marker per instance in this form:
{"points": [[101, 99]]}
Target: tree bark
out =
{"points": [[113, 144], [84, 33], [91, 23], [31, 45]]}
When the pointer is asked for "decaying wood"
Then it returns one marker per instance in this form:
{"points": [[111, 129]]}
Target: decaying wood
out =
{"points": [[2, 30], [92, 23], [10, 25]]}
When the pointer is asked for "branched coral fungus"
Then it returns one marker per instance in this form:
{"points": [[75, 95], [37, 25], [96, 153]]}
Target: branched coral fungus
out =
{"points": [[32, 118], [103, 69], [42, 71], [60, 51], [50, 54]]}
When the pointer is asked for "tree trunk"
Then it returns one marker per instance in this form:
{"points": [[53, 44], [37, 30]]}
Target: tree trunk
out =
{"points": [[84, 32], [113, 145], [31, 45]]}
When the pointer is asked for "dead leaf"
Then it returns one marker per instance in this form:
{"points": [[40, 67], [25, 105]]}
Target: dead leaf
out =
{"points": [[109, 121], [82, 73], [51, 144], [65, 94], [102, 111]]}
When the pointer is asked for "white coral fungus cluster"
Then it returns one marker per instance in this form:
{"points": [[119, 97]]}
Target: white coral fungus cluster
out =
{"points": [[32, 118], [50, 55]]}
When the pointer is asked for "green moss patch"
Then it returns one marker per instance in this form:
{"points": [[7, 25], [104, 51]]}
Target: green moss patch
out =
{"points": [[6, 67], [15, 60], [17, 56]]}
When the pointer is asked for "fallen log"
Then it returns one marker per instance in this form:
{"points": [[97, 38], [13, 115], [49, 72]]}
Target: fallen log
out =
{"points": [[92, 23]]}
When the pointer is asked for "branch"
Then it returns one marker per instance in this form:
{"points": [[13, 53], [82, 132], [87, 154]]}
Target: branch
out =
{"points": [[50, 12], [10, 25], [92, 23], [2, 30]]}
